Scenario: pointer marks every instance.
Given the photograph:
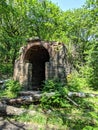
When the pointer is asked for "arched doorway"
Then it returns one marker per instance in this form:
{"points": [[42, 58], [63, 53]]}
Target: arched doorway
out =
{"points": [[37, 55]]}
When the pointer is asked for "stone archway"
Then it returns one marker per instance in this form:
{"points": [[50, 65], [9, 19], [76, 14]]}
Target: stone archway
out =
{"points": [[39, 61], [37, 55]]}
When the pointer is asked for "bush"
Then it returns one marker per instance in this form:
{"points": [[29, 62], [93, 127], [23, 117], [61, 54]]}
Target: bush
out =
{"points": [[12, 88], [57, 96], [78, 81], [6, 69]]}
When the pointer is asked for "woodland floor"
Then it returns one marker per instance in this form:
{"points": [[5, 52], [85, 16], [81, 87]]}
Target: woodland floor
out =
{"points": [[8, 124]]}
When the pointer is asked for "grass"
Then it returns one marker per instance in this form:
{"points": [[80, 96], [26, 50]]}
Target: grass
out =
{"points": [[42, 120], [84, 117]]}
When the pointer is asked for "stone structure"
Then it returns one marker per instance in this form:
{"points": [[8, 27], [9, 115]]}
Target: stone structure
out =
{"points": [[39, 61]]}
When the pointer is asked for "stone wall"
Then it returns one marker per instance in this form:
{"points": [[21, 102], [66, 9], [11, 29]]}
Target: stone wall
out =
{"points": [[37, 51], [56, 67]]}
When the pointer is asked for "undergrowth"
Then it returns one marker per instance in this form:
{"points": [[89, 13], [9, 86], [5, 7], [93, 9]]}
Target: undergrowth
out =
{"points": [[55, 111], [11, 89]]}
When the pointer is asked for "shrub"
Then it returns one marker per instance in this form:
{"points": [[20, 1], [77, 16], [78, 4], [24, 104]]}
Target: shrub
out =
{"points": [[57, 96], [6, 69], [12, 88], [78, 81]]}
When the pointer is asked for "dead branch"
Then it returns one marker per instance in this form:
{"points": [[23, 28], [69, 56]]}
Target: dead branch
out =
{"points": [[81, 94], [72, 101], [10, 110]]}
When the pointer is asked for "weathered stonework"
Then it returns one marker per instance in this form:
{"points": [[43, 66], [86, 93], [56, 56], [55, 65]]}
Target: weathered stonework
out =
{"points": [[39, 61]]}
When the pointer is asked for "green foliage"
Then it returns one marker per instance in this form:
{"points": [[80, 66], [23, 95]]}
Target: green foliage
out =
{"points": [[54, 94], [77, 118], [2, 93], [12, 88], [37, 118], [52, 85], [78, 81], [93, 65], [6, 69], [21, 19]]}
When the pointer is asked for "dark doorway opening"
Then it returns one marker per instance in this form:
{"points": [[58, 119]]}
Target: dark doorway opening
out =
{"points": [[37, 55], [38, 73]]}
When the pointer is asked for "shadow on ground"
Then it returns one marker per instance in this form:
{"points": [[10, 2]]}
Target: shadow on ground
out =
{"points": [[7, 124]]}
